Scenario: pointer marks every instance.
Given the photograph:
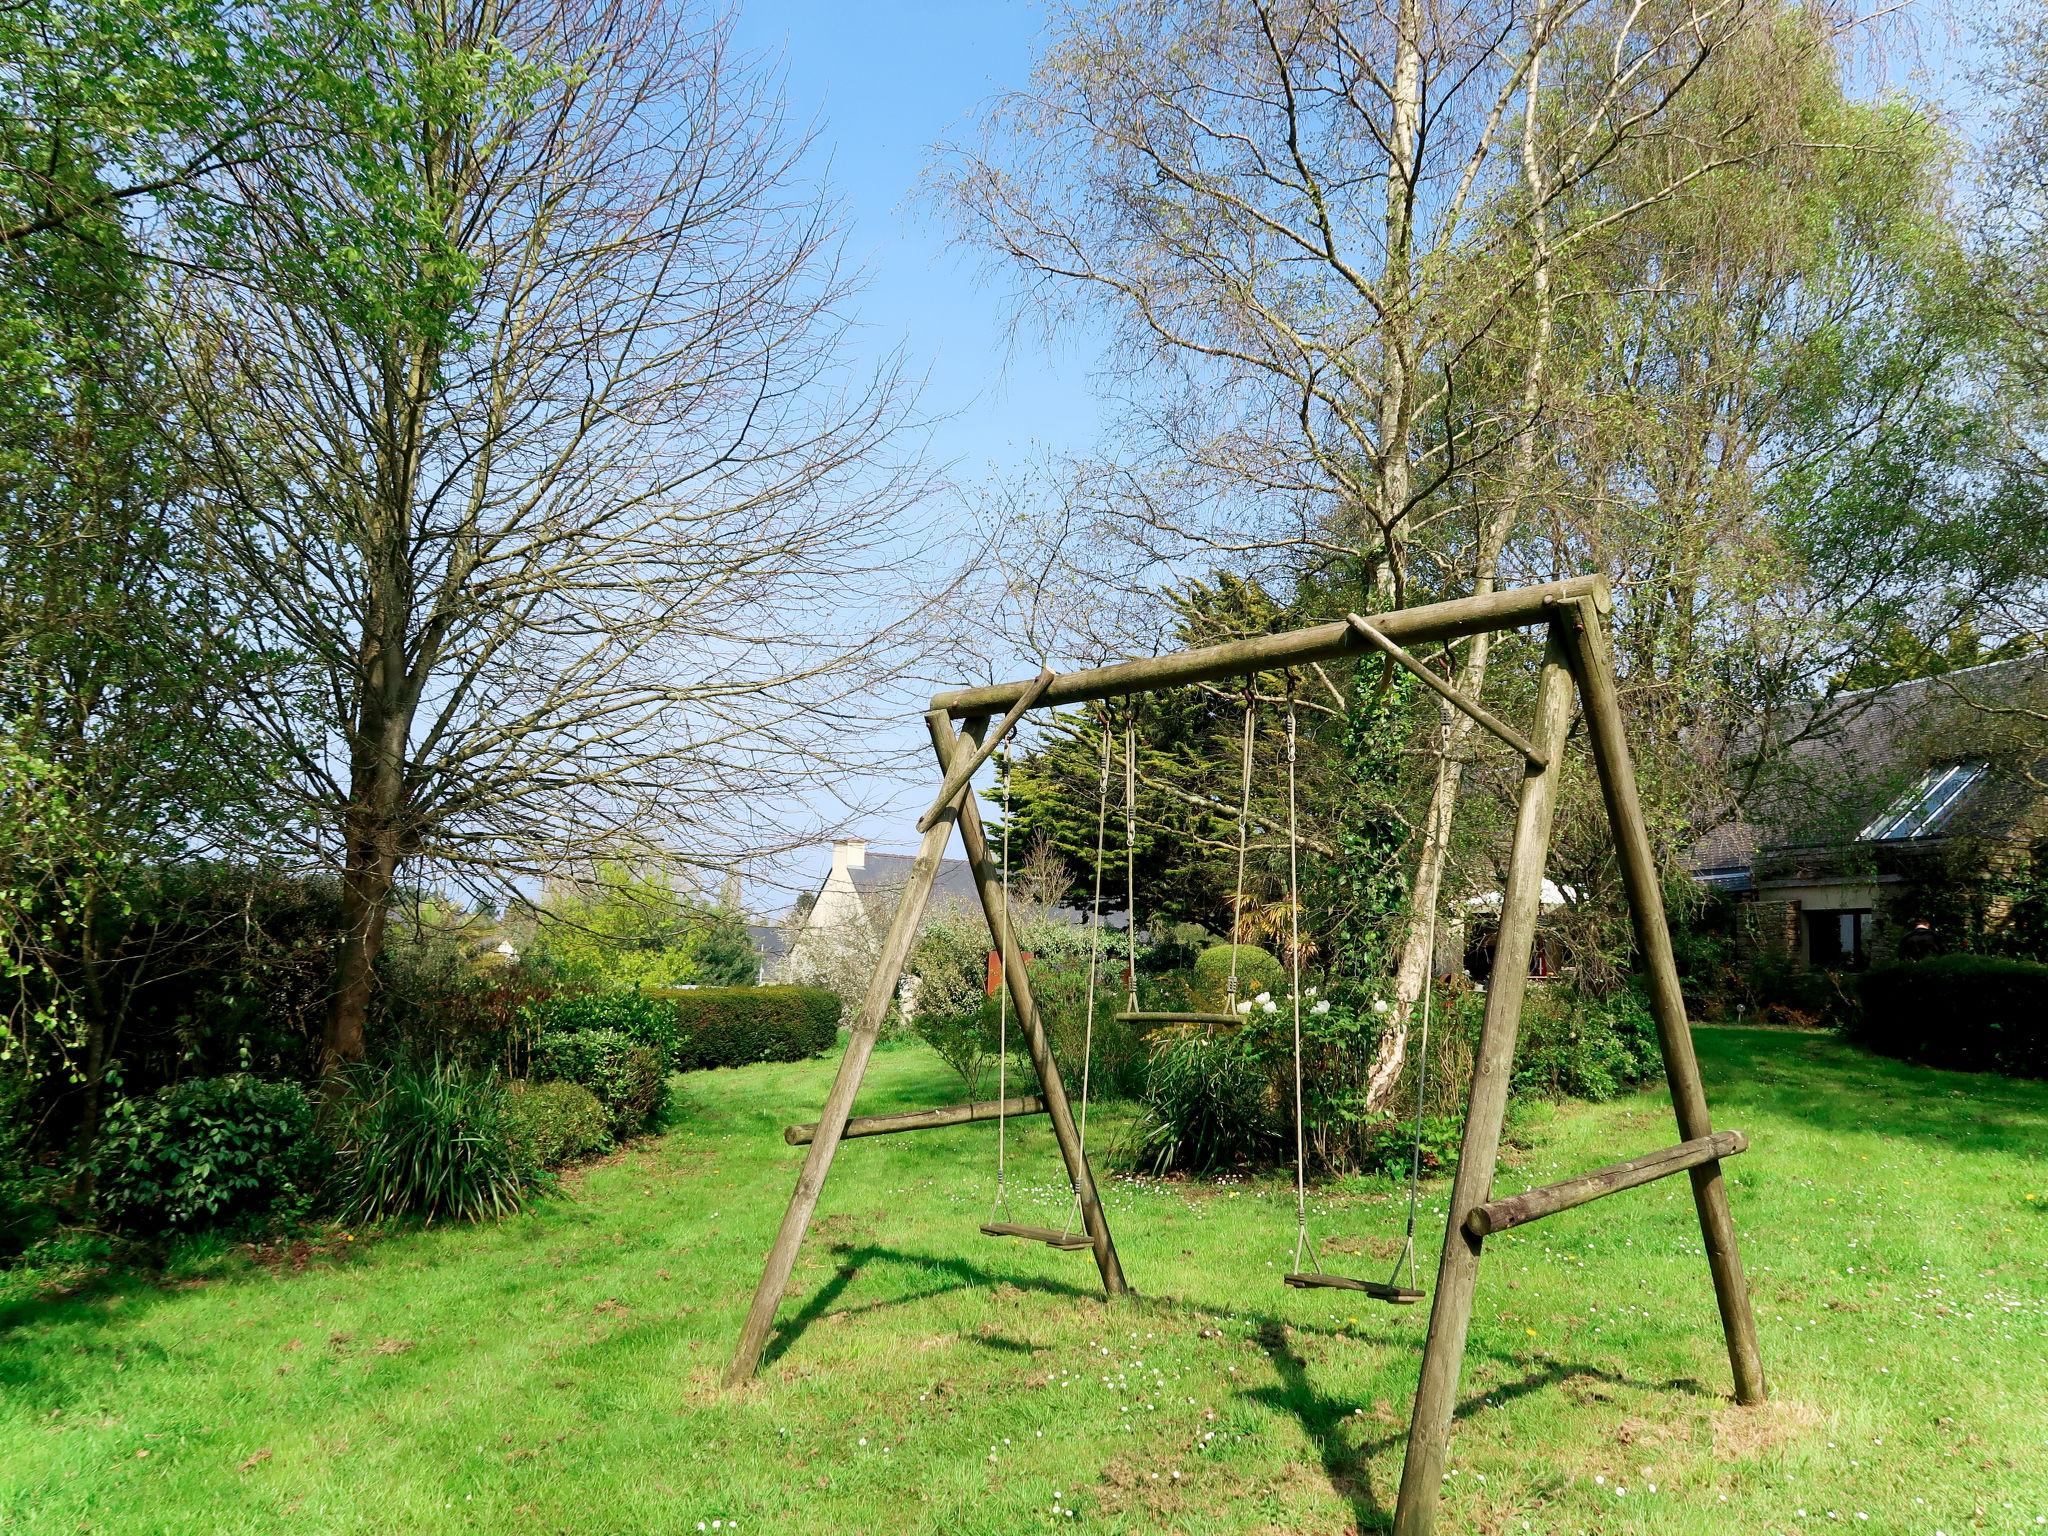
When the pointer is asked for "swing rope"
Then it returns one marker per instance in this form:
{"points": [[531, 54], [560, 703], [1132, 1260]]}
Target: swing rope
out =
{"points": [[1094, 960], [1301, 1237], [1131, 855], [1001, 1208], [1244, 811]]}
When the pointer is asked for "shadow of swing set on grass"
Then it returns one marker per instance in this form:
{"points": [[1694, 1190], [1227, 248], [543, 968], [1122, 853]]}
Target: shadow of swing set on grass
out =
{"points": [[1577, 663], [1293, 1391]]}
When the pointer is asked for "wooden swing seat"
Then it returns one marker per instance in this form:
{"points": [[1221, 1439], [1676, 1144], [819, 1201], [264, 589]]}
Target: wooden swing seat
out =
{"points": [[1379, 1290], [1176, 1016], [1052, 1237]]}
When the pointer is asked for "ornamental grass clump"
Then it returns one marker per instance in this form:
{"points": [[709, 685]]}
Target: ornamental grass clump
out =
{"points": [[436, 1141]]}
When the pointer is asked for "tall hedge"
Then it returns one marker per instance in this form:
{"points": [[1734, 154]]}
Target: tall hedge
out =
{"points": [[1972, 1013], [732, 1026]]}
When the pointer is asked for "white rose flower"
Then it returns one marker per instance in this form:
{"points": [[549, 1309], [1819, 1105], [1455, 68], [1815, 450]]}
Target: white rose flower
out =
{"points": [[1321, 1007], [1272, 1007], [1245, 1006], [1263, 998], [1379, 1005]]}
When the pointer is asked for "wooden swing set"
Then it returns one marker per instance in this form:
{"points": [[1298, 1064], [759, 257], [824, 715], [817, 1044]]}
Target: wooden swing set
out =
{"points": [[1577, 661]]}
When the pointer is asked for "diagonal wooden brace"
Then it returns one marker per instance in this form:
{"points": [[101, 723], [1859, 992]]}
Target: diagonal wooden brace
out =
{"points": [[1548, 1199], [959, 773], [1478, 713]]}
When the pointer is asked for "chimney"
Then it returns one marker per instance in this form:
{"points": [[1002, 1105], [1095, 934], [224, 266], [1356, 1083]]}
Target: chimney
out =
{"points": [[849, 854]]}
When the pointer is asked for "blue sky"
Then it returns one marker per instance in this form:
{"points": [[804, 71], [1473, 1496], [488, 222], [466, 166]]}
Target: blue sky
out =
{"points": [[884, 83]]}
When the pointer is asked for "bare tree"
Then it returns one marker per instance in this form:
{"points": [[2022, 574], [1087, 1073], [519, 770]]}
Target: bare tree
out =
{"points": [[1324, 237], [547, 465]]}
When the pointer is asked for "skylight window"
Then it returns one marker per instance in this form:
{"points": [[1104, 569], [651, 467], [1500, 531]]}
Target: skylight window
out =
{"points": [[1921, 810]]}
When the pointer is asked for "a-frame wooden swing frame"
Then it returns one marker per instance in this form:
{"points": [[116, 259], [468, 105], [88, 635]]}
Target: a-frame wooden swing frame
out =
{"points": [[1577, 660]]}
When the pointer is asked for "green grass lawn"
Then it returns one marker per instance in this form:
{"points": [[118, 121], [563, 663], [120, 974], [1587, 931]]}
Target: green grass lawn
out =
{"points": [[559, 1372]]}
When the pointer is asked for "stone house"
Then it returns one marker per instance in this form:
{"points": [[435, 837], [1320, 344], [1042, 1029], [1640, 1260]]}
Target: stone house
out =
{"points": [[1914, 807]]}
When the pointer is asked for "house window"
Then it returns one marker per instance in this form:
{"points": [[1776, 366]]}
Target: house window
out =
{"points": [[1921, 810], [1834, 940]]}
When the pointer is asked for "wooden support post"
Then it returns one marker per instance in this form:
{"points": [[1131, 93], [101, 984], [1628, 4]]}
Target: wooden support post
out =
{"points": [[988, 882], [881, 993], [1568, 1194], [1585, 638], [921, 1119], [1450, 1315]]}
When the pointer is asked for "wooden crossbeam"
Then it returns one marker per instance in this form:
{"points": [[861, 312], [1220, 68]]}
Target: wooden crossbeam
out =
{"points": [[1299, 648], [923, 1119], [1548, 1199]]}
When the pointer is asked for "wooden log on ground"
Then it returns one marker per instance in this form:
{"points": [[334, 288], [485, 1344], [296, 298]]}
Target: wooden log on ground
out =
{"points": [[1548, 1199], [922, 1119], [1299, 648]]}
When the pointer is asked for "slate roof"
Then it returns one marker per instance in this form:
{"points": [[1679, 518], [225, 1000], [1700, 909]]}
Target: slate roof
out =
{"points": [[881, 880], [1875, 745]]}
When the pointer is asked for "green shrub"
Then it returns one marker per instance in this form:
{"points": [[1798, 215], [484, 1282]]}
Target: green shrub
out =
{"points": [[625, 1076], [645, 1018], [431, 1141], [1390, 1145], [1257, 971], [555, 1124], [1210, 1103], [1971, 1013], [736, 1026], [30, 1193], [1574, 1045], [207, 1152]]}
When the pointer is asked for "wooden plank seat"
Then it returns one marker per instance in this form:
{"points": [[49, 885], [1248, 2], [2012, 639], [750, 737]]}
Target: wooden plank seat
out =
{"points": [[1052, 1237], [1379, 1290], [1177, 1016], [922, 1119]]}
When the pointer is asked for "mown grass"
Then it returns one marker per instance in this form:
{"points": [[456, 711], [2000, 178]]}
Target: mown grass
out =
{"points": [[559, 1372]]}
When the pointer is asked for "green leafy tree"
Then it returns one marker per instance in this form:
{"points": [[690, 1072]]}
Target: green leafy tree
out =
{"points": [[120, 653], [629, 925]]}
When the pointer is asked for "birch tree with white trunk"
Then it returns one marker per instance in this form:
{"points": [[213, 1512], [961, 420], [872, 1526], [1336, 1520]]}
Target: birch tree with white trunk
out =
{"points": [[1321, 236]]}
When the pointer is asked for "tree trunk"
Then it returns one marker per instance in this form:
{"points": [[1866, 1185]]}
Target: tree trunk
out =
{"points": [[366, 885], [1418, 950]]}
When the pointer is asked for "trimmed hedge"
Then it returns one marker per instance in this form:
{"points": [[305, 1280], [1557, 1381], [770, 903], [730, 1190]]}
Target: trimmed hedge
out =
{"points": [[645, 1018], [735, 1026], [626, 1076], [1971, 1013]]}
